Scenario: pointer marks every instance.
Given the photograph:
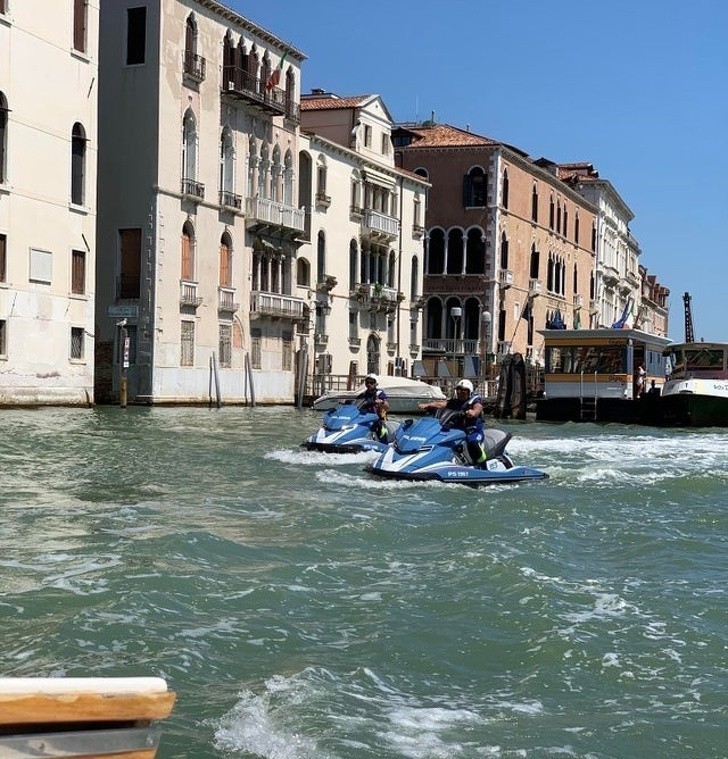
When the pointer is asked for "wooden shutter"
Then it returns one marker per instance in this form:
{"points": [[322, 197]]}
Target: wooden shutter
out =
{"points": [[78, 272], [79, 25], [225, 273], [187, 262]]}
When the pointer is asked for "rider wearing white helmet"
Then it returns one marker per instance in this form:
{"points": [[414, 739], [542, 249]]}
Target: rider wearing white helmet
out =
{"points": [[470, 406]]}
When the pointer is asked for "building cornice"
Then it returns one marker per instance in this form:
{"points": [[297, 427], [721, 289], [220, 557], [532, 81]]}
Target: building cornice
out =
{"points": [[240, 21]]}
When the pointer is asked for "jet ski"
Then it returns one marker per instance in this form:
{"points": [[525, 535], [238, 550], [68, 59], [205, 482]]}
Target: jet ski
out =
{"points": [[431, 449], [346, 429]]}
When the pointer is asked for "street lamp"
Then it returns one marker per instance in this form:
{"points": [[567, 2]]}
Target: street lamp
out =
{"points": [[456, 312], [485, 320]]}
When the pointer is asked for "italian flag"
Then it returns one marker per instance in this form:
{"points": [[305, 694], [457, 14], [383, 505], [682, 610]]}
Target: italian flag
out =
{"points": [[275, 76]]}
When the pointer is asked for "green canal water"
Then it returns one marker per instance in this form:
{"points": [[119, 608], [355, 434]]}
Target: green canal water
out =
{"points": [[302, 610]]}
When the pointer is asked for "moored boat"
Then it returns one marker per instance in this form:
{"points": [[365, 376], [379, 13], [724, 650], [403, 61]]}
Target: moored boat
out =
{"points": [[404, 395], [591, 375], [82, 717], [696, 391]]}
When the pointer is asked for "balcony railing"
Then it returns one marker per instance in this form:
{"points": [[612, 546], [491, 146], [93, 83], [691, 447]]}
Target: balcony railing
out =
{"points": [[450, 346], [188, 294], [231, 200], [380, 223], [274, 304], [191, 188], [259, 210], [242, 85], [194, 66], [226, 300], [505, 278]]}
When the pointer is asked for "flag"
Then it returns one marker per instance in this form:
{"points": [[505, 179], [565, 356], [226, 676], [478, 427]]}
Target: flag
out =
{"points": [[526, 313], [275, 77], [621, 323]]}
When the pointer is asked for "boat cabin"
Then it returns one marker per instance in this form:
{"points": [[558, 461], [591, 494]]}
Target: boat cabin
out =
{"points": [[696, 361], [593, 375]]}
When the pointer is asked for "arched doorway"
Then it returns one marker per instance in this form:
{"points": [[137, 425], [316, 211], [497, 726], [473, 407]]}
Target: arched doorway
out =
{"points": [[373, 343]]}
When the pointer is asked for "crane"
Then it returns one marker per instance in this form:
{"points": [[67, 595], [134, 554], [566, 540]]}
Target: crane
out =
{"points": [[689, 335]]}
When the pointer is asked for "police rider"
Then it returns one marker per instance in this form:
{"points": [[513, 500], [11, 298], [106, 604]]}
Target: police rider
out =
{"points": [[470, 407], [375, 402]]}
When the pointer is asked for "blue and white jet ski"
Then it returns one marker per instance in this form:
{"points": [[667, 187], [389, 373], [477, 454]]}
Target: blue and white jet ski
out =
{"points": [[346, 429], [430, 449]]}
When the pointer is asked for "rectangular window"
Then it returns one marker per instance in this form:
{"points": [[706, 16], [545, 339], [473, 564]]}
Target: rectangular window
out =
{"points": [[287, 362], [79, 25], [136, 35], [3, 258], [3, 337], [225, 349], [41, 263], [77, 342], [187, 357], [367, 136], [386, 142], [130, 263], [256, 348], [78, 272]]}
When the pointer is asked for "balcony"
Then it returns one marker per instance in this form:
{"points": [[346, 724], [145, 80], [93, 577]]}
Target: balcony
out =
{"points": [[193, 190], [272, 216], [449, 346], [276, 306], [504, 347], [326, 283], [610, 275], [226, 302], [378, 297], [578, 301], [320, 338], [231, 200], [505, 279], [534, 288], [188, 294], [418, 231], [323, 200], [193, 66], [240, 85], [379, 226]]}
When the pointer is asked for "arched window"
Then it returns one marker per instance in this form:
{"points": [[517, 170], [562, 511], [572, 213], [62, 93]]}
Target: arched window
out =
{"points": [[276, 175], [353, 265], [252, 166], [436, 252], [391, 269], [303, 273], [290, 93], [576, 228], [474, 188], [471, 320], [422, 172], [320, 178], [433, 319], [534, 204], [3, 137], [504, 195], [288, 178], [594, 236], [455, 251], [227, 167], [551, 212], [534, 264], [188, 252], [264, 74], [355, 190], [226, 260], [576, 281], [558, 216], [414, 279], [263, 169], [321, 257], [453, 323], [78, 164], [190, 44], [189, 146], [504, 251], [475, 251], [565, 225]]}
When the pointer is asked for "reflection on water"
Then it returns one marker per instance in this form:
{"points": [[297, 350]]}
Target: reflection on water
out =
{"points": [[303, 609]]}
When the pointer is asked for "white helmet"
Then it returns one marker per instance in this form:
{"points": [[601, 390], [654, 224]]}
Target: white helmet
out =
{"points": [[466, 384], [372, 377]]}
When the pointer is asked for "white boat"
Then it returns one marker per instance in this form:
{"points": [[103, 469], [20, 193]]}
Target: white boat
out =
{"points": [[82, 716], [404, 395], [696, 391]]}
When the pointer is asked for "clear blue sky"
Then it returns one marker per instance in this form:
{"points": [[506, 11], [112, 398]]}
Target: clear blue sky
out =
{"points": [[639, 88]]}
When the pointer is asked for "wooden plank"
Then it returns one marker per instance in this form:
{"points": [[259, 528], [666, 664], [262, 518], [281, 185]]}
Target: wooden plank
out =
{"points": [[19, 709]]}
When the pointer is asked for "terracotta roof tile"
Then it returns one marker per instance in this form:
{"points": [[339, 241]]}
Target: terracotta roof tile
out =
{"points": [[444, 135], [331, 102]]}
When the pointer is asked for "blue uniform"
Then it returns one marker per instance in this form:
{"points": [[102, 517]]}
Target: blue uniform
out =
{"points": [[473, 428], [369, 396]]}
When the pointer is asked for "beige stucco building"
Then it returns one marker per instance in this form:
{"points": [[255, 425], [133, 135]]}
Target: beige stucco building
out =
{"points": [[48, 148], [200, 217], [361, 271]]}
